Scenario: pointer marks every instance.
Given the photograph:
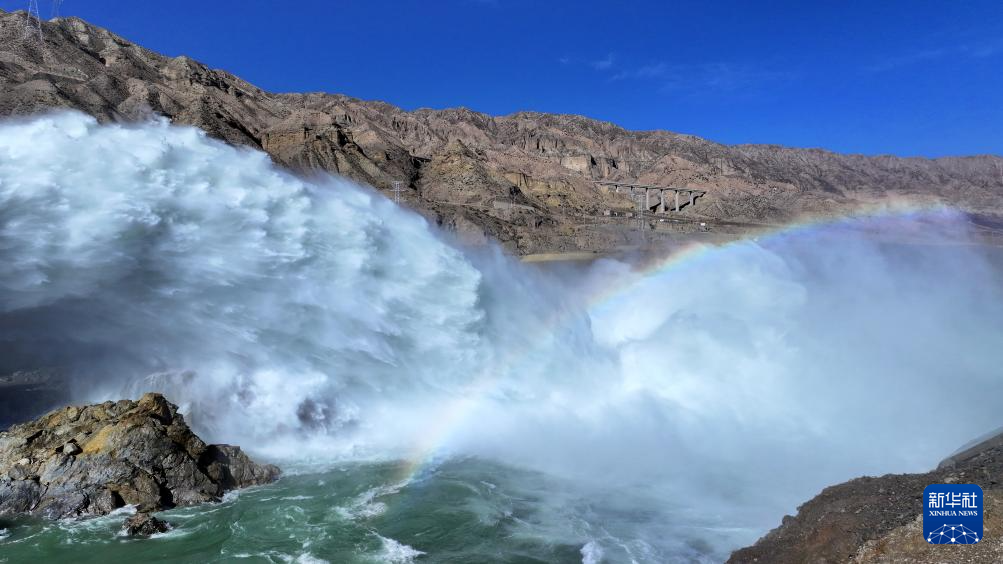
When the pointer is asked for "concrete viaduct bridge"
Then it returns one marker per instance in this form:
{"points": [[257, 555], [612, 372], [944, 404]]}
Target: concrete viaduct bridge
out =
{"points": [[653, 197]]}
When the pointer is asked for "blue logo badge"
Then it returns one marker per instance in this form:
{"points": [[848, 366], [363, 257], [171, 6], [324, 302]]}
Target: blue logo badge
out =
{"points": [[952, 514]]}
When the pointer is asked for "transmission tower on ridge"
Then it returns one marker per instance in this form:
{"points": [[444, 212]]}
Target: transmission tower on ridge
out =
{"points": [[397, 189], [32, 23], [640, 216]]}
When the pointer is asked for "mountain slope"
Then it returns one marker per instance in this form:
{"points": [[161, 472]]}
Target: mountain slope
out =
{"points": [[523, 179]]}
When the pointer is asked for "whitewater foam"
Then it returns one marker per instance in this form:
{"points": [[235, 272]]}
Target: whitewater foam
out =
{"points": [[150, 257], [591, 553], [395, 552]]}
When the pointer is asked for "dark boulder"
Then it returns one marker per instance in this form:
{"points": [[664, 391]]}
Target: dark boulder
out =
{"points": [[144, 525]]}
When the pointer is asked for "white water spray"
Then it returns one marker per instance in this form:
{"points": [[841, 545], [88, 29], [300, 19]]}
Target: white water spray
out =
{"points": [[314, 318]]}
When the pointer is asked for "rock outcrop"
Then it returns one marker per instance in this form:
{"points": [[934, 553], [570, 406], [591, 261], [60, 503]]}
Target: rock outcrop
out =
{"points": [[81, 461], [524, 179], [871, 520], [144, 525]]}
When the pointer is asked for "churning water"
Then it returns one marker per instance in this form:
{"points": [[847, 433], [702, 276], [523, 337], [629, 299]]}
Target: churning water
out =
{"points": [[433, 404]]}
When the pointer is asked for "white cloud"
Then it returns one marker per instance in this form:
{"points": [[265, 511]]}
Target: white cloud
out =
{"points": [[702, 77], [604, 63], [647, 71], [972, 49]]}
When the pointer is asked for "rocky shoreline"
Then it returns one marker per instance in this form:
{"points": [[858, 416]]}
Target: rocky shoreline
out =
{"points": [[879, 519], [82, 461]]}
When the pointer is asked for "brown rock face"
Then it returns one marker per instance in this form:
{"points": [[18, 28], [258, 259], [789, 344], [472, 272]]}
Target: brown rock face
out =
{"points": [[524, 179], [91, 460], [870, 520]]}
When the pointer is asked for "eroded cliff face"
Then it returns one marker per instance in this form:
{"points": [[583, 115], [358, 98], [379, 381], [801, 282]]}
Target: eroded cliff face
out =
{"points": [[523, 179]]}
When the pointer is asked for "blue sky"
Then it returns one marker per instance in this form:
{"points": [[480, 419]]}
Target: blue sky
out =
{"points": [[908, 78]]}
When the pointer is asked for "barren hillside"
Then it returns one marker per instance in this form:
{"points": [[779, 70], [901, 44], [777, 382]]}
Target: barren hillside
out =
{"points": [[524, 179]]}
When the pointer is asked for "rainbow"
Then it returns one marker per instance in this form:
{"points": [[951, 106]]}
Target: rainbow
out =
{"points": [[427, 450]]}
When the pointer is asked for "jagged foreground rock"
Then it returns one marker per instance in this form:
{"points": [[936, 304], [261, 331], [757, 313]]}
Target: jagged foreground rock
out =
{"points": [[80, 461], [880, 520], [144, 525], [523, 179]]}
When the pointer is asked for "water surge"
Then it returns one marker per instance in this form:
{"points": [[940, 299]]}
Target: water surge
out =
{"points": [[629, 411]]}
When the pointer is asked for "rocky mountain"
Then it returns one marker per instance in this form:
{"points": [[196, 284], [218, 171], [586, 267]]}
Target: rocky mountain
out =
{"points": [[524, 179], [91, 460], [873, 520]]}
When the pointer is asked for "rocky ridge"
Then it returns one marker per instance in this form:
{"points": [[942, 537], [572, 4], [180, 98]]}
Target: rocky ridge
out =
{"points": [[91, 460], [525, 180]]}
